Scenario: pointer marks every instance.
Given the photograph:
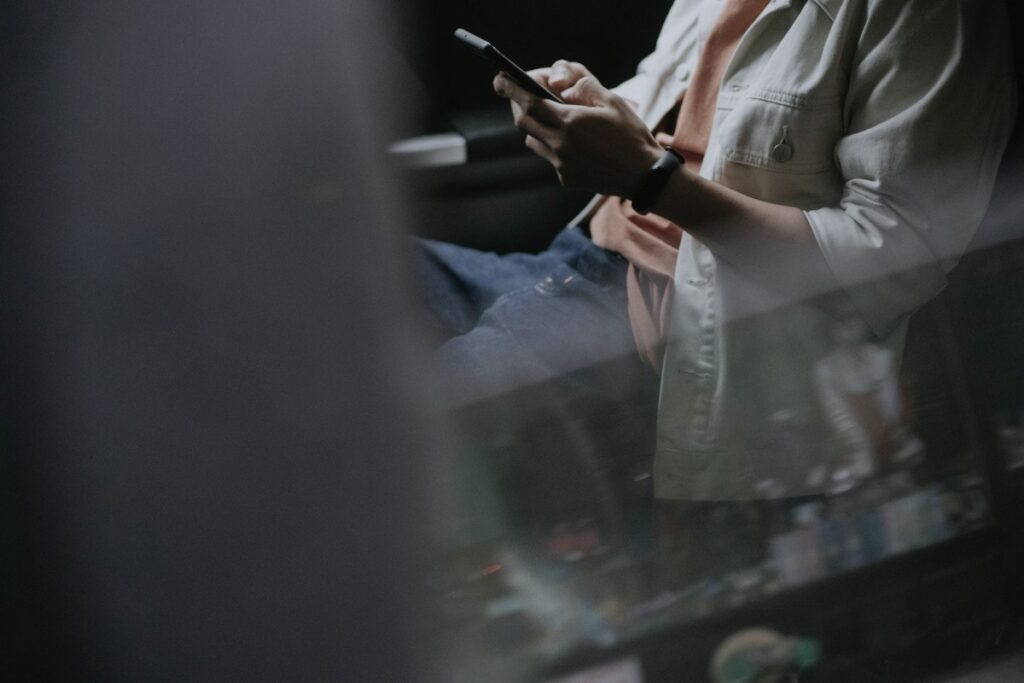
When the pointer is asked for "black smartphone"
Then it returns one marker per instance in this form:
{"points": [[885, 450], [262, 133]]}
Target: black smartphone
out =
{"points": [[484, 50]]}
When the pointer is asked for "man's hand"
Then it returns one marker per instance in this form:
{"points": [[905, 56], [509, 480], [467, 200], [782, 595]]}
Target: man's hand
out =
{"points": [[594, 141], [560, 76]]}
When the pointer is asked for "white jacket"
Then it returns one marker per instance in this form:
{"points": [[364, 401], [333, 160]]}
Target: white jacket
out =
{"points": [[885, 121]]}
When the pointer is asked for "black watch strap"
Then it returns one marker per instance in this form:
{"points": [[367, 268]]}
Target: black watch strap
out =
{"points": [[656, 179]]}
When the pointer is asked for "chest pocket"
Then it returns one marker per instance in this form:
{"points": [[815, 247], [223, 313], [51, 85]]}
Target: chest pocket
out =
{"points": [[780, 146]]}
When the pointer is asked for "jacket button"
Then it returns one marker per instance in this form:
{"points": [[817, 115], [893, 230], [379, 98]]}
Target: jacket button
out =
{"points": [[782, 152]]}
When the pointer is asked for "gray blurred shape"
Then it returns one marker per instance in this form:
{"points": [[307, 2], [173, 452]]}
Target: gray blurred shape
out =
{"points": [[212, 427]]}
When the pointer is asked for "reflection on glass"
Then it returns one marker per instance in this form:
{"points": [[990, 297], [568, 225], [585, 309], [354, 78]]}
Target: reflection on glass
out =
{"points": [[559, 542], [858, 387]]}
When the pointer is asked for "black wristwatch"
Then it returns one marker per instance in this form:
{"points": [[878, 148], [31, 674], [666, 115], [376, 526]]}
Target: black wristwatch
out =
{"points": [[656, 179]]}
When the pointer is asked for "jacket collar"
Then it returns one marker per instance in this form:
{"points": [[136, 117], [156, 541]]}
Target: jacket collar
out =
{"points": [[709, 10], [706, 17], [829, 7]]}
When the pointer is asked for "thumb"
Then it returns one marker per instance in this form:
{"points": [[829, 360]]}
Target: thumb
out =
{"points": [[587, 91]]}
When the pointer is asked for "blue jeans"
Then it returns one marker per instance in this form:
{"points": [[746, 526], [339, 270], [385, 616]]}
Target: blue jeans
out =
{"points": [[538, 354], [517, 320]]}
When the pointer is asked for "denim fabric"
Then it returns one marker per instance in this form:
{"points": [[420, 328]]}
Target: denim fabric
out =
{"points": [[516, 320]]}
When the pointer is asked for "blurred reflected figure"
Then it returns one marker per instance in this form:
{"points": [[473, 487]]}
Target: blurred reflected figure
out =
{"points": [[858, 386]]}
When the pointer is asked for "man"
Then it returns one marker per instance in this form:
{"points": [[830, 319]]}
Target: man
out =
{"points": [[807, 156]]}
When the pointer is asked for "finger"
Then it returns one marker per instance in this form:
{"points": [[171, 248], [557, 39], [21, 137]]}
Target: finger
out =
{"points": [[542, 150], [588, 92], [540, 109], [532, 126], [663, 139], [564, 74]]}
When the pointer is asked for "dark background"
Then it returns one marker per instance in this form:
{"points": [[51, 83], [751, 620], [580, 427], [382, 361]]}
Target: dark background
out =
{"points": [[608, 36]]}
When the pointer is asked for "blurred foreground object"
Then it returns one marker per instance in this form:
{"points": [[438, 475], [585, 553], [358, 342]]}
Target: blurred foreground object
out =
{"points": [[211, 425]]}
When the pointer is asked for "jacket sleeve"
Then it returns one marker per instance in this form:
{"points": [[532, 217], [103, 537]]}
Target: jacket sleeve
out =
{"points": [[928, 112]]}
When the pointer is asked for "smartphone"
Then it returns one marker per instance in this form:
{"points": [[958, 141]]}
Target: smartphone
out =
{"points": [[484, 50]]}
